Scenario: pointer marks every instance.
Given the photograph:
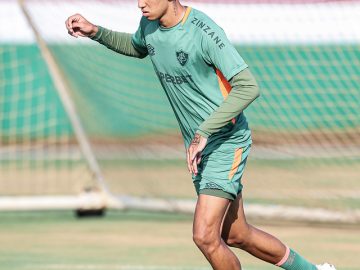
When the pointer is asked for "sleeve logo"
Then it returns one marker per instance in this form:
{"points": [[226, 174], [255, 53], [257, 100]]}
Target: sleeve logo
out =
{"points": [[182, 57], [151, 49]]}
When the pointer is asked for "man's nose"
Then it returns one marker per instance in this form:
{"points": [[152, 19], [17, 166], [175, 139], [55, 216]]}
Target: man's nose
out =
{"points": [[141, 3]]}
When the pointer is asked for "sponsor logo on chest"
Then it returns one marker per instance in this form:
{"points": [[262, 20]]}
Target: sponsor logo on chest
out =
{"points": [[174, 79]]}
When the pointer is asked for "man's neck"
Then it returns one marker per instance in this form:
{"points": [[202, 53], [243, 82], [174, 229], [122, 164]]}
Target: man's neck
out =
{"points": [[173, 15]]}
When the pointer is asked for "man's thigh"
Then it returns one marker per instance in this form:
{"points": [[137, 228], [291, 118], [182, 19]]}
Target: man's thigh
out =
{"points": [[209, 215], [235, 220]]}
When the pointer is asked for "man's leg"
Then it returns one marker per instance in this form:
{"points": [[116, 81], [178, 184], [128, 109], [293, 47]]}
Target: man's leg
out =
{"points": [[209, 216], [236, 232]]}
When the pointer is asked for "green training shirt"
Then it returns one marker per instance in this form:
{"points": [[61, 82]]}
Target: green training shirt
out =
{"points": [[194, 61]]}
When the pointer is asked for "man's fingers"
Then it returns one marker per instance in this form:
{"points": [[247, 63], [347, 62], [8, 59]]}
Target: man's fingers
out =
{"points": [[194, 154], [194, 161], [68, 27], [72, 21], [77, 25], [72, 33], [76, 28], [188, 160], [198, 159], [194, 167]]}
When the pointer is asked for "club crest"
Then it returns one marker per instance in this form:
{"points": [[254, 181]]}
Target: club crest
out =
{"points": [[182, 57]]}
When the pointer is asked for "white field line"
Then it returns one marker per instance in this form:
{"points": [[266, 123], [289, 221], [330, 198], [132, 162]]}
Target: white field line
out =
{"points": [[113, 267], [93, 200]]}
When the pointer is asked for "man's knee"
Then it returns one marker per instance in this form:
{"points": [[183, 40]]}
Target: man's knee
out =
{"points": [[206, 239]]}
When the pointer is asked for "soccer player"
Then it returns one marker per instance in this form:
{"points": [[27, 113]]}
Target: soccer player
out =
{"points": [[208, 85]]}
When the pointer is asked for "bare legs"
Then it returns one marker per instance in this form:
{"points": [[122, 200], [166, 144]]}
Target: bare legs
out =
{"points": [[209, 215], [219, 223], [238, 233]]}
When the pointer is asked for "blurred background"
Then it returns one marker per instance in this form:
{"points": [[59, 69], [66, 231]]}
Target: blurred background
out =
{"points": [[85, 129]]}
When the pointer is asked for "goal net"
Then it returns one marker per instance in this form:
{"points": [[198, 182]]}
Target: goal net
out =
{"points": [[306, 124]]}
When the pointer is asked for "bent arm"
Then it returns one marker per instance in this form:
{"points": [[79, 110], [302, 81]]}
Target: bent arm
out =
{"points": [[117, 41], [244, 91]]}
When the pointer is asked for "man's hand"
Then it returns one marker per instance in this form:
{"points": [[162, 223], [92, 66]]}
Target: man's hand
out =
{"points": [[193, 154], [77, 26]]}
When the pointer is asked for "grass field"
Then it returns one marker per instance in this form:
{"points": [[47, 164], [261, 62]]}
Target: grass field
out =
{"points": [[143, 241]]}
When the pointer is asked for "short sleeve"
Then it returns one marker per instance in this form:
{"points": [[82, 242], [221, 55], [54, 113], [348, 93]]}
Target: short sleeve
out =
{"points": [[218, 51], [138, 39]]}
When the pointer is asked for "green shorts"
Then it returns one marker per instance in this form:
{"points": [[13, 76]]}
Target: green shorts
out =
{"points": [[220, 172]]}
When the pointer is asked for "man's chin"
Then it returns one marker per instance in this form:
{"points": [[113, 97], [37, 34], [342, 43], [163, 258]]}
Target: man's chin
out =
{"points": [[149, 17]]}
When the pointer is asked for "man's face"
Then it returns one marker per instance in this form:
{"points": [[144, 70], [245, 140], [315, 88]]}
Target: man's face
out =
{"points": [[153, 9]]}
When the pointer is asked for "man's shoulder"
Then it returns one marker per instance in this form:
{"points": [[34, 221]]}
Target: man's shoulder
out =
{"points": [[206, 28], [201, 19], [203, 25], [145, 24]]}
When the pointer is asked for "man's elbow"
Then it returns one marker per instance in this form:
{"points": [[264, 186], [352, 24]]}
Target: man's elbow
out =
{"points": [[255, 91], [137, 53], [141, 56], [252, 84]]}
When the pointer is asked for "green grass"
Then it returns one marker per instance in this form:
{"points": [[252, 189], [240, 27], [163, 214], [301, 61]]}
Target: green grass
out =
{"points": [[144, 241]]}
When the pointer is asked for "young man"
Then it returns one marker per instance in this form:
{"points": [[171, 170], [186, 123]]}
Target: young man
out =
{"points": [[208, 85]]}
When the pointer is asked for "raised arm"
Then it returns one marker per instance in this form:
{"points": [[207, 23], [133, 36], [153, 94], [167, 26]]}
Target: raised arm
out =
{"points": [[119, 42]]}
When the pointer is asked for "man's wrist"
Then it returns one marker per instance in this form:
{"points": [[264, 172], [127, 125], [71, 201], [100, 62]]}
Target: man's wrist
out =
{"points": [[202, 133], [96, 32]]}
